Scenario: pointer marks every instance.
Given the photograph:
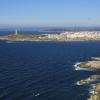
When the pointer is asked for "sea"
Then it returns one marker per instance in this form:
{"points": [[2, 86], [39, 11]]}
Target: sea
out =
{"points": [[44, 70]]}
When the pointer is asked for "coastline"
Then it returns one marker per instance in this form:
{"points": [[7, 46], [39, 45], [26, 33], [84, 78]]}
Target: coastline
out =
{"points": [[35, 38], [93, 80]]}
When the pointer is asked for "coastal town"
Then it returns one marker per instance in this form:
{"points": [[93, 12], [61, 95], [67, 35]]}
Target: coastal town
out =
{"points": [[64, 36], [82, 35]]}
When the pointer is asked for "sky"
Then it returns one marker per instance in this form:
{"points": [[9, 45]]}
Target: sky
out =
{"points": [[50, 12]]}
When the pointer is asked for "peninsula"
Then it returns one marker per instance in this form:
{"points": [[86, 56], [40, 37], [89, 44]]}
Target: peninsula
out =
{"points": [[65, 36]]}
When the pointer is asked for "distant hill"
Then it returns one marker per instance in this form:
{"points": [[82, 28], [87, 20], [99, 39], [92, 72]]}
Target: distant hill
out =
{"points": [[51, 29], [73, 29]]}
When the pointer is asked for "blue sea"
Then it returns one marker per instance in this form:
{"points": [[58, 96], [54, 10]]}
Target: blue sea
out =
{"points": [[44, 70]]}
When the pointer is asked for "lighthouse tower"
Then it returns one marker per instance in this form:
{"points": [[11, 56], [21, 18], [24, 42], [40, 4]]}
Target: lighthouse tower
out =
{"points": [[16, 32]]}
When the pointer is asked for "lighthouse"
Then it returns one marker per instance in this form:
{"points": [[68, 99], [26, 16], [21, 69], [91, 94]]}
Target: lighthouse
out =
{"points": [[16, 32]]}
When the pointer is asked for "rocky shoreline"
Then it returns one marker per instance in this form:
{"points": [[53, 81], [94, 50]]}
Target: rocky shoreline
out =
{"points": [[93, 80], [94, 65]]}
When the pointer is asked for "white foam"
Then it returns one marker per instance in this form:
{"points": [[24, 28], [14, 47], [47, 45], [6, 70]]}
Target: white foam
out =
{"points": [[93, 86], [95, 58], [85, 69], [76, 64], [36, 94], [78, 83], [79, 68], [93, 92]]}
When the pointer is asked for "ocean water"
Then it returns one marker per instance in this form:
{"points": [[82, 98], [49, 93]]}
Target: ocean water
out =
{"points": [[44, 70]]}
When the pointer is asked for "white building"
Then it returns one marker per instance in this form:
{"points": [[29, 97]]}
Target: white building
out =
{"points": [[54, 36], [72, 35], [84, 34]]}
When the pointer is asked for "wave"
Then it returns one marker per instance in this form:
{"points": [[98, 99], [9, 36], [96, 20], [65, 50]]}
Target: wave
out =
{"points": [[36, 94], [95, 58], [78, 83]]}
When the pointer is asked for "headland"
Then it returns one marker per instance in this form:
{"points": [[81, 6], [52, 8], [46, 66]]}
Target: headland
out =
{"points": [[65, 36]]}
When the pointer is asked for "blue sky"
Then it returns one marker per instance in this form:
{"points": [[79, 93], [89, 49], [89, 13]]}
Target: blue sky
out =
{"points": [[50, 12]]}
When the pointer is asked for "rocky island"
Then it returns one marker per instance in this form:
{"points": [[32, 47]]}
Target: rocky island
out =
{"points": [[65, 36]]}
